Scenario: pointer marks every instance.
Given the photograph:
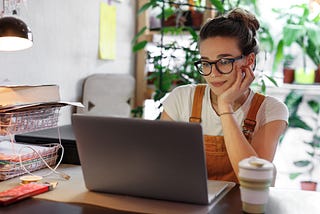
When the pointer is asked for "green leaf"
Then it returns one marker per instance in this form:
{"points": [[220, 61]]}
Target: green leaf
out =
{"points": [[139, 46], [167, 13], [218, 5], [272, 80], [192, 32], [314, 105], [294, 175], [158, 95], [316, 141], [316, 19], [292, 32], [313, 33], [134, 40], [311, 154], [302, 163], [263, 86], [313, 52], [137, 112], [296, 122], [146, 6], [278, 55], [266, 39], [293, 101]]}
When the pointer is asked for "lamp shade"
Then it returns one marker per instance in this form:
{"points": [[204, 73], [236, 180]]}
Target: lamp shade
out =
{"points": [[14, 34]]}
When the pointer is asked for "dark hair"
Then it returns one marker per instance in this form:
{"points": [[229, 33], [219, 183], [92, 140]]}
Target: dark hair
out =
{"points": [[238, 23]]}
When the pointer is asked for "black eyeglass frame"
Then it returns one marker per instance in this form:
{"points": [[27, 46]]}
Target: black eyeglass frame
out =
{"points": [[232, 60]]}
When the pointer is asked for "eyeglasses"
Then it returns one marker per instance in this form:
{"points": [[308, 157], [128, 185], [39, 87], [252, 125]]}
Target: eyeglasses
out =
{"points": [[223, 65]]}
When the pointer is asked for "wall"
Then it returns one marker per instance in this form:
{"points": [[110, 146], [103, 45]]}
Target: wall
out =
{"points": [[65, 51]]}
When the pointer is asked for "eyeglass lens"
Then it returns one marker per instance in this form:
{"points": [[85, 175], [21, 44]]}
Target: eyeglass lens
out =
{"points": [[224, 66]]}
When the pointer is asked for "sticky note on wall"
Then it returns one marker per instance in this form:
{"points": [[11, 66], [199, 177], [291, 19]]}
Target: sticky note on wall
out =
{"points": [[107, 41]]}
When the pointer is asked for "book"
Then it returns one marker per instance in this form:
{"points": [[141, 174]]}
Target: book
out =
{"points": [[26, 94], [20, 192]]}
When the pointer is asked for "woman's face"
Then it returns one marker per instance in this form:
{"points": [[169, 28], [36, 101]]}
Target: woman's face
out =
{"points": [[215, 48]]}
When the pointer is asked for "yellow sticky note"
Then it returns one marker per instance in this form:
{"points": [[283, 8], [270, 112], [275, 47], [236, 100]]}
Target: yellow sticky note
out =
{"points": [[107, 42]]}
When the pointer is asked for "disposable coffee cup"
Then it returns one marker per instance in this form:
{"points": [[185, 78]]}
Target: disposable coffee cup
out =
{"points": [[255, 176]]}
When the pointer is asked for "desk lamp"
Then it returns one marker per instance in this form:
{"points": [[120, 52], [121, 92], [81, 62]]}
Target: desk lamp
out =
{"points": [[14, 33]]}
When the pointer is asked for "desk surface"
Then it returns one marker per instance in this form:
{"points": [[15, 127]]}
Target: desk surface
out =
{"points": [[72, 197]]}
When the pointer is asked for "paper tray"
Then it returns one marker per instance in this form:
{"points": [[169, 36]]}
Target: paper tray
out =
{"points": [[10, 165], [29, 120]]}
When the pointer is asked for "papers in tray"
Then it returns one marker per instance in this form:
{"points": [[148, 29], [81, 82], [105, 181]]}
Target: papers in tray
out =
{"points": [[31, 106], [11, 153]]}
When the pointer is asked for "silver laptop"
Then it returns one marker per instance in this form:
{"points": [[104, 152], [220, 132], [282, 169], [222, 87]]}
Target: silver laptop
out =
{"points": [[146, 158]]}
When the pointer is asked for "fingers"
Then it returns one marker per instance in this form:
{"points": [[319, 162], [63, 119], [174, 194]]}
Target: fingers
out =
{"points": [[247, 76]]}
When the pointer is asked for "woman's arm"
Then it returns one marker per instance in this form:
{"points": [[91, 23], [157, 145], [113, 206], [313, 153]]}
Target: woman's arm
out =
{"points": [[165, 116], [263, 144], [266, 139]]}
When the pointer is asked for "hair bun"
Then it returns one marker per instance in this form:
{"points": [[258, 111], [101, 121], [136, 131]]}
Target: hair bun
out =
{"points": [[242, 15]]}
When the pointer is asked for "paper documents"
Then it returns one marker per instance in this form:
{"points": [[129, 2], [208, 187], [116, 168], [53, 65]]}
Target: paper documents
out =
{"points": [[30, 106], [15, 155], [10, 151]]}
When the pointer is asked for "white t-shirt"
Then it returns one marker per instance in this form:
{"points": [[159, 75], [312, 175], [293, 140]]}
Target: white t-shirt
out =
{"points": [[178, 105]]}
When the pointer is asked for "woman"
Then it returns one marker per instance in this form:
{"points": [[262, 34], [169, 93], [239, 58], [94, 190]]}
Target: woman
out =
{"points": [[237, 123]]}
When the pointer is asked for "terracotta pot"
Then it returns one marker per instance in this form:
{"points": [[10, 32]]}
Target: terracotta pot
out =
{"points": [[308, 185], [192, 19], [197, 19], [288, 75]]}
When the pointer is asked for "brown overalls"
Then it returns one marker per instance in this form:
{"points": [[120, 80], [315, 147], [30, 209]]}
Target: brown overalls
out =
{"points": [[218, 163]]}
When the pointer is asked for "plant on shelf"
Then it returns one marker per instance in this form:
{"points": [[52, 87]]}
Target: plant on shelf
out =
{"points": [[188, 13], [301, 29], [266, 40], [293, 100], [172, 63]]}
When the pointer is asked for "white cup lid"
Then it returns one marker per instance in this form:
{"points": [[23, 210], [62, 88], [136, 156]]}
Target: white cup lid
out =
{"points": [[255, 163]]}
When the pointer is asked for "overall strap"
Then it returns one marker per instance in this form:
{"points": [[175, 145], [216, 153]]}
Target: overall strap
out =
{"points": [[250, 122], [197, 104]]}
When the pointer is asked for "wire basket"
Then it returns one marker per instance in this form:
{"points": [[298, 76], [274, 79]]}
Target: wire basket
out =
{"points": [[29, 120], [31, 161]]}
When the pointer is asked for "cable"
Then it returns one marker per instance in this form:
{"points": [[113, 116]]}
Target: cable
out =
{"points": [[53, 170]]}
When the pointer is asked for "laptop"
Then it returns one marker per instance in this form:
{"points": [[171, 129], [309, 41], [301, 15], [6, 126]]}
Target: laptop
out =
{"points": [[51, 135], [146, 158]]}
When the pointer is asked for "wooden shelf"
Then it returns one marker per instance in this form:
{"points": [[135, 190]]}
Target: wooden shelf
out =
{"points": [[142, 91], [307, 89]]}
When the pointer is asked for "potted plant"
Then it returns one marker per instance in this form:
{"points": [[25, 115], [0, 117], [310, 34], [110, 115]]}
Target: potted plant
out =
{"points": [[300, 30], [288, 69], [164, 72], [164, 76], [293, 100], [189, 13]]}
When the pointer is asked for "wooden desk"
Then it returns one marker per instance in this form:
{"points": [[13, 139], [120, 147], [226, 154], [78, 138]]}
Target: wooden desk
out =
{"points": [[72, 197]]}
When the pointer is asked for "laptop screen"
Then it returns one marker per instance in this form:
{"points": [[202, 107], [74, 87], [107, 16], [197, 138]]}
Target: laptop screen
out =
{"points": [[146, 158]]}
